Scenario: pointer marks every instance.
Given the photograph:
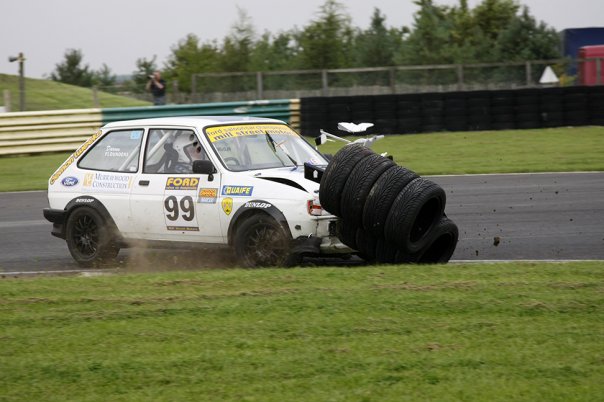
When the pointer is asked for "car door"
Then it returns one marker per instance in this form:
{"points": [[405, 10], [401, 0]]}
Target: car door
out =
{"points": [[168, 201]]}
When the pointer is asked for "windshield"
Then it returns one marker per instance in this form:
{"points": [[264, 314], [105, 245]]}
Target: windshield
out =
{"points": [[261, 146]]}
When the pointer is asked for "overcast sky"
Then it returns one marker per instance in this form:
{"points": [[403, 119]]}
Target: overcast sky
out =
{"points": [[117, 32]]}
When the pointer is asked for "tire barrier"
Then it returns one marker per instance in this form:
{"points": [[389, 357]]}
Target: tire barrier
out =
{"points": [[387, 213], [458, 111]]}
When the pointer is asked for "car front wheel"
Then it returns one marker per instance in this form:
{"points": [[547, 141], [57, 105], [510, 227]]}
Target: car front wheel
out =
{"points": [[262, 242], [89, 240]]}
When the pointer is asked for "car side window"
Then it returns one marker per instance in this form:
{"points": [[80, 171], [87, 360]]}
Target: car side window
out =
{"points": [[117, 151], [172, 151]]}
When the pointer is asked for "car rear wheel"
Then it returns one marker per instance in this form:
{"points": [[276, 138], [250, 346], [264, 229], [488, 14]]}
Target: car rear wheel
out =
{"points": [[262, 242], [89, 239]]}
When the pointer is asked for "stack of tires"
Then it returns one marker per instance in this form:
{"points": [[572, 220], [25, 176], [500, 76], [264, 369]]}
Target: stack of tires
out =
{"points": [[388, 213]]}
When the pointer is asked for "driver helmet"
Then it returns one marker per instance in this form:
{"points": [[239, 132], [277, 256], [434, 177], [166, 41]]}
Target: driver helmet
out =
{"points": [[188, 148]]}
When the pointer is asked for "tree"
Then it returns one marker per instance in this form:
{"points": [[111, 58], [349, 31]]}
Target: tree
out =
{"points": [[238, 46], [377, 45], [190, 57], [71, 71], [494, 16], [274, 52], [326, 42], [492, 31], [527, 39], [144, 68], [104, 77], [430, 39]]}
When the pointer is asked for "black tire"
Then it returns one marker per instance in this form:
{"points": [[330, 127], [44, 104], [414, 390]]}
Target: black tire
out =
{"points": [[336, 174], [414, 214], [90, 239], [446, 235], [382, 195], [385, 253], [359, 184], [347, 233], [366, 245], [260, 241]]}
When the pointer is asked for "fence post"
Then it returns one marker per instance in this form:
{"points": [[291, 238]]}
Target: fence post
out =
{"points": [[95, 97], [259, 85], [175, 93], [529, 73], [460, 78], [7, 101], [194, 88], [325, 83], [392, 79]]}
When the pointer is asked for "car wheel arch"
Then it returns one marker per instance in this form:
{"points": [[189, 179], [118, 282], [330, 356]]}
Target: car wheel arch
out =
{"points": [[92, 202], [245, 212]]}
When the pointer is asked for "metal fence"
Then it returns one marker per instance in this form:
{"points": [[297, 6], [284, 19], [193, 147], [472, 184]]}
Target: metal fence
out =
{"points": [[221, 87]]}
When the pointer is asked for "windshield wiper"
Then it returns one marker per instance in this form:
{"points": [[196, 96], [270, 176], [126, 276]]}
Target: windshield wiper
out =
{"points": [[273, 144]]}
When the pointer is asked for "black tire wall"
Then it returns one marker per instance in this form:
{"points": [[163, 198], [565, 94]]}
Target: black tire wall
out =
{"points": [[457, 111], [387, 213]]}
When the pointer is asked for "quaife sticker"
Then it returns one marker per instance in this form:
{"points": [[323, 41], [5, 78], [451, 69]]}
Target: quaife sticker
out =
{"points": [[207, 195], [182, 183], [237, 191]]}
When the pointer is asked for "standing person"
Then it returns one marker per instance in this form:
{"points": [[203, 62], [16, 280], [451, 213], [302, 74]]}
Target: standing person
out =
{"points": [[157, 86]]}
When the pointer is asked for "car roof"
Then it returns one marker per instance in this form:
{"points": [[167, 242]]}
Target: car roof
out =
{"points": [[191, 121]]}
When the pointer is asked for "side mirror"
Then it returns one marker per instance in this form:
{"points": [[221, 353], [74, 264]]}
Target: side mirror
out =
{"points": [[203, 167], [321, 139]]}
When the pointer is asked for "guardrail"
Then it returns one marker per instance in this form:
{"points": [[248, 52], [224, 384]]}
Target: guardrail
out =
{"points": [[47, 131], [65, 130]]}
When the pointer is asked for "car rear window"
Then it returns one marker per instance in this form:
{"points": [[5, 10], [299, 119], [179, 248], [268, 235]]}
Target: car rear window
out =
{"points": [[117, 151]]}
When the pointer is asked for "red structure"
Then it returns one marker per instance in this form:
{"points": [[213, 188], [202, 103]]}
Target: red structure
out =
{"points": [[591, 66]]}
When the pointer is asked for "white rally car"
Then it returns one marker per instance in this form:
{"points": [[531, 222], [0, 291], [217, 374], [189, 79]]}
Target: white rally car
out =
{"points": [[232, 181]]}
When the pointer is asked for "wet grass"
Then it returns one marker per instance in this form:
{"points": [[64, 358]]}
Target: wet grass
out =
{"points": [[52, 95], [496, 332], [567, 149], [551, 150]]}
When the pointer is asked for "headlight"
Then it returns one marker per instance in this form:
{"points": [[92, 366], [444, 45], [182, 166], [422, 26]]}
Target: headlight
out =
{"points": [[314, 207]]}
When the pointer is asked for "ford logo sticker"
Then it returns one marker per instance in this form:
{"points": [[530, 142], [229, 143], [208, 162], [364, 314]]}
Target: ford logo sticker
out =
{"points": [[69, 181]]}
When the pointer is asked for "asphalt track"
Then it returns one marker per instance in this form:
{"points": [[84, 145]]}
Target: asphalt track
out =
{"points": [[550, 216]]}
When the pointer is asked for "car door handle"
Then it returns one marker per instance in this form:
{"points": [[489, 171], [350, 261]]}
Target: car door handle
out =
{"points": [[143, 182]]}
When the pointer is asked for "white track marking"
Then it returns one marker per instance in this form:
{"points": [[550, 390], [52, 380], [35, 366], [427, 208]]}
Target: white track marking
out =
{"points": [[84, 272], [18, 224]]}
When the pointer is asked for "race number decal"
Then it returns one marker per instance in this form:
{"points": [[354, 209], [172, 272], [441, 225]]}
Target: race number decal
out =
{"points": [[179, 212]]}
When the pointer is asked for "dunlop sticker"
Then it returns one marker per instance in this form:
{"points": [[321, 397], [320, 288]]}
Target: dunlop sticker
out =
{"points": [[225, 132]]}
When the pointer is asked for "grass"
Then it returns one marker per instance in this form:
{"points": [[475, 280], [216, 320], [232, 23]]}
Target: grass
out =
{"points": [[546, 150], [557, 150], [20, 173], [50, 95], [499, 332]]}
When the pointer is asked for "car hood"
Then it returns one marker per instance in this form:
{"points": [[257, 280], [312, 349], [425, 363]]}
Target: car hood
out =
{"points": [[290, 177]]}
